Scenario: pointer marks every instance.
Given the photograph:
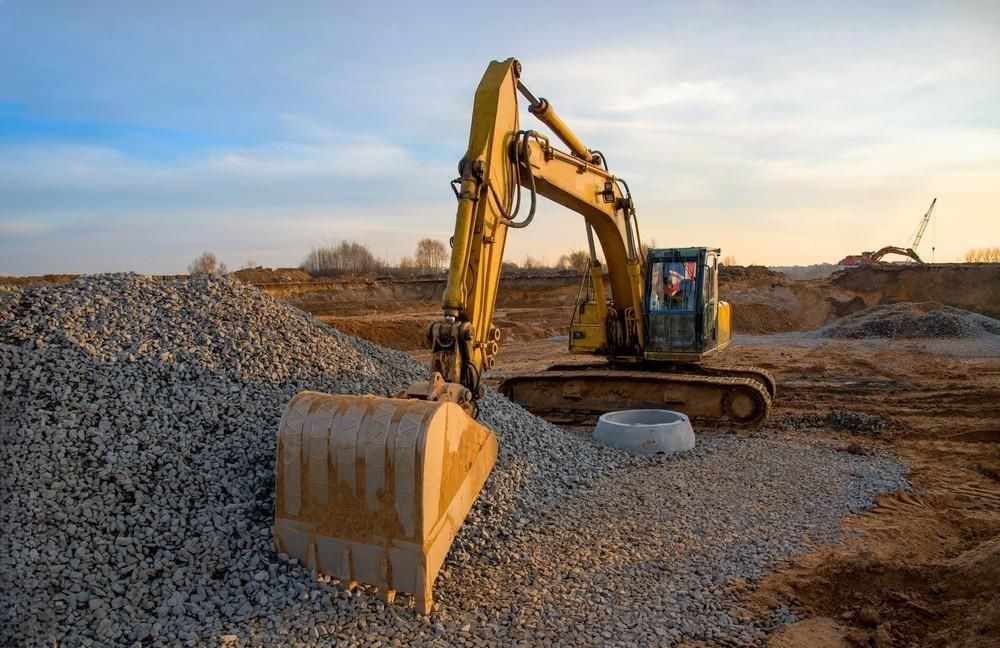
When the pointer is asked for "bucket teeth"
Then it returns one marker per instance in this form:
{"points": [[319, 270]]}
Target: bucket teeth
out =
{"points": [[374, 489]]}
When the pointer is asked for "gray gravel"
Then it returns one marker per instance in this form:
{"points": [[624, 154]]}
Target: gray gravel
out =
{"points": [[909, 320], [137, 439], [841, 420]]}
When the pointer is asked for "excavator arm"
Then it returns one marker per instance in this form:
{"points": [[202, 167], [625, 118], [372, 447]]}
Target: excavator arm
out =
{"points": [[502, 160], [892, 249]]}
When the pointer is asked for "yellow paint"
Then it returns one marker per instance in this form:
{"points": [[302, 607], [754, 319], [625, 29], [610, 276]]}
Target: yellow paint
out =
{"points": [[547, 115], [725, 324]]}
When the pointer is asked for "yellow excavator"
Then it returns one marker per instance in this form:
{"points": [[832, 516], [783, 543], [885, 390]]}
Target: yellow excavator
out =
{"points": [[372, 489]]}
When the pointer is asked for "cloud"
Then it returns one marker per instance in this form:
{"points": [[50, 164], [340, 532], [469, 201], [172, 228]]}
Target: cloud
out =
{"points": [[22, 227], [353, 169], [668, 94], [164, 241]]}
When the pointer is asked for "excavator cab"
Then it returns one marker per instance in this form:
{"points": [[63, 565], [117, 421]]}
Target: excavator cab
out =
{"points": [[685, 320]]}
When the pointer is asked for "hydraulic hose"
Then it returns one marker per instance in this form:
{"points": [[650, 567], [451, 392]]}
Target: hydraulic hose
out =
{"points": [[517, 175]]}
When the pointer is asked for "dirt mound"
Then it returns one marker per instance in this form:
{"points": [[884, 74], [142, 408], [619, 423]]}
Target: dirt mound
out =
{"points": [[401, 332], [747, 273], [972, 286], [409, 332], [40, 279], [913, 321], [848, 307], [260, 275], [751, 318]]}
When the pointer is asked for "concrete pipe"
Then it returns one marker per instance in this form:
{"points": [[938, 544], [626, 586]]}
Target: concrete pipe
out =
{"points": [[645, 431]]}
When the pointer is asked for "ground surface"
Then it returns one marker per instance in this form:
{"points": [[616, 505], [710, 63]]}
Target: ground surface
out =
{"points": [[920, 568], [137, 455], [925, 569]]}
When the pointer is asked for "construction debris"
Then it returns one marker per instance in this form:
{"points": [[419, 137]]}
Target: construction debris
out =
{"points": [[137, 446]]}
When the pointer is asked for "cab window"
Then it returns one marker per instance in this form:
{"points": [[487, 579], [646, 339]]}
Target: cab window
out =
{"points": [[673, 286]]}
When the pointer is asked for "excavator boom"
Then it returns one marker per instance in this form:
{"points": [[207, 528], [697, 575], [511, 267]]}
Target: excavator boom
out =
{"points": [[500, 159]]}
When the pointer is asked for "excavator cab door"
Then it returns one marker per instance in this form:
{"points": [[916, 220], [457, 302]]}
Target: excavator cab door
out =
{"points": [[710, 299], [680, 301]]}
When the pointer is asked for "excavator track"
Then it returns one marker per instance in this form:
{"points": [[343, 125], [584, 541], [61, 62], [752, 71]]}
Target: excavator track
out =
{"points": [[761, 375], [578, 396]]}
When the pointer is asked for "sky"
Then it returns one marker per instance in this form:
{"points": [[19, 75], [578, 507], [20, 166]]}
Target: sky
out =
{"points": [[135, 135]]}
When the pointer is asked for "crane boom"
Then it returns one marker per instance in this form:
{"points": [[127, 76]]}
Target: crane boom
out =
{"points": [[923, 225]]}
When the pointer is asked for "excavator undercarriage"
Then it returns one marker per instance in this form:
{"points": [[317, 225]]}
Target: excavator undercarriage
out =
{"points": [[579, 394]]}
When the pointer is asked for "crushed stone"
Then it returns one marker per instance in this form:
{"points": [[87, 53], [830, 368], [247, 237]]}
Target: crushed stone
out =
{"points": [[908, 320], [137, 457]]}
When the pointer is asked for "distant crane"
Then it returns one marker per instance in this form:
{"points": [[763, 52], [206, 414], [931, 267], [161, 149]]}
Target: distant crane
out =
{"points": [[868, 258], [923, 226]]}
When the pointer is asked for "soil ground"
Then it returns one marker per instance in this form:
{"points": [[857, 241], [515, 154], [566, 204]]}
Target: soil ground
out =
{"points": [[924, 567], [921, 568]]}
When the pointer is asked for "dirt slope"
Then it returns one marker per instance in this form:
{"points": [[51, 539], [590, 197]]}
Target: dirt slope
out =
{"points": [[972, 286]]}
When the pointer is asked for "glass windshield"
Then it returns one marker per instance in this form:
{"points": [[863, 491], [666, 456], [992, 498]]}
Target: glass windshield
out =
{"points": [[672, 285]]}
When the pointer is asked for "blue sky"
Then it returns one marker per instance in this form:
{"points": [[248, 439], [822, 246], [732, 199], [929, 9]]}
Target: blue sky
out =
{"points": [[134, 135]]}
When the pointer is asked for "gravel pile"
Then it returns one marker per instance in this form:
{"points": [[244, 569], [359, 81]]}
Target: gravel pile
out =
{"points": [[844, 420], [136, 451], [913, 321]]}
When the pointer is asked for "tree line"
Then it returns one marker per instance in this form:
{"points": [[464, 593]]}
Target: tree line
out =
{"points": [[983, 255], [430, 256], [349, 257]]}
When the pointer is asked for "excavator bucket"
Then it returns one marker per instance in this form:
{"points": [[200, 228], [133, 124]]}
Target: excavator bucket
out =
{"points": [[373, 489]]}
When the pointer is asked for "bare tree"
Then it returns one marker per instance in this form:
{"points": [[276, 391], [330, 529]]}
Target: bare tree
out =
{"points": [[577, 261], [347, 257], [207, 264], [531, 263], [646, 247], [430, 254], [983, 255]]}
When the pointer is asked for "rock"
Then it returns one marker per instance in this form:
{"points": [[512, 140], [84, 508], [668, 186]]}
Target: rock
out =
{"points": [[882, 637], [869, 616]]}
